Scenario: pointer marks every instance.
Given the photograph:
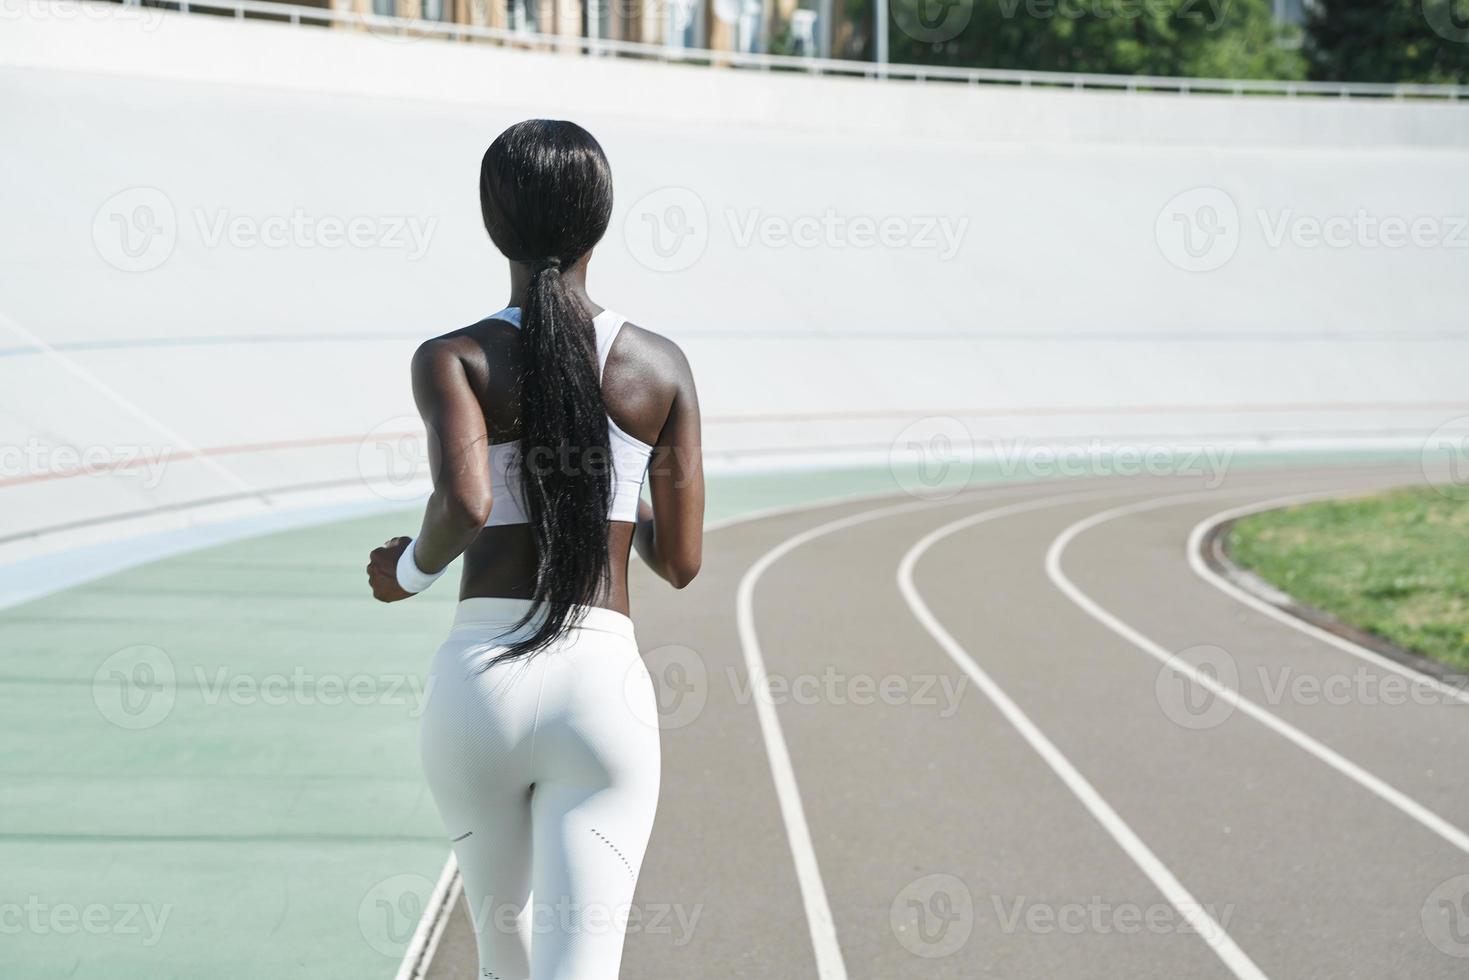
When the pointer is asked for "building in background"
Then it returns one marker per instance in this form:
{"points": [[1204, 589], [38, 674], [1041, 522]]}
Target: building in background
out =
{"points": [[720, 25], [801, 28]]}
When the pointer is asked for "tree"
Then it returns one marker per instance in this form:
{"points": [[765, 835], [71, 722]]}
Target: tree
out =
{"points": [[1194, 38], [1388, 41]]}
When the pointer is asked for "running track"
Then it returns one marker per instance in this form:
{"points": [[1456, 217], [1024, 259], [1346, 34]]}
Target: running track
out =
{"points": [[1046, 791]]}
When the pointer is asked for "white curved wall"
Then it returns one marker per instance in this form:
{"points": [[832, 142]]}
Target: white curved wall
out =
{"points": [[141, 314]]}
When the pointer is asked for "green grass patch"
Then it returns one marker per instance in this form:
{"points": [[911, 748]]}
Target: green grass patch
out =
{"points": [[1395, 564]]}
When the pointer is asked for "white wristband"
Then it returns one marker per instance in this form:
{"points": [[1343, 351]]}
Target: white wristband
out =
{"points": [[410, 576]]}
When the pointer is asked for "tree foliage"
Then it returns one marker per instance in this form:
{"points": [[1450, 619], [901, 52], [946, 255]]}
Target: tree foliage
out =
{"points": [[1196, 38], [1388, 41]]}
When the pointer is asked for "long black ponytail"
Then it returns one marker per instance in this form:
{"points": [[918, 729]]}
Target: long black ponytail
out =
{"points": [[546, 196]]}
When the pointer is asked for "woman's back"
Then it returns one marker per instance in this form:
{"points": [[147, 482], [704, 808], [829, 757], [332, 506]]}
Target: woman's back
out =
{"points": [[642, 377]]}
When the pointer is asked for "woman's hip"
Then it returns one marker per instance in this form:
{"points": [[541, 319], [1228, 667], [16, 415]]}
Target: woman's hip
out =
{"points": [[592, 677]]}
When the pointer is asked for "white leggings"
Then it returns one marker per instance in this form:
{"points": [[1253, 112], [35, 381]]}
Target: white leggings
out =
{"points": [[545, 771]]}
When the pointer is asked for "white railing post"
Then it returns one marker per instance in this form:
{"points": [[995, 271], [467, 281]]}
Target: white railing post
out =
{"points": [[880, 15]]}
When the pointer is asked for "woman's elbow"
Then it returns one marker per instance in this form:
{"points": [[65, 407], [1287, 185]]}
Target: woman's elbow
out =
{"points": [[683, 571], [465, 507]]}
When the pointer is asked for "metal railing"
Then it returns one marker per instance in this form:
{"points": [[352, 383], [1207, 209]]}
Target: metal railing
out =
{"points": [[603, 47]]}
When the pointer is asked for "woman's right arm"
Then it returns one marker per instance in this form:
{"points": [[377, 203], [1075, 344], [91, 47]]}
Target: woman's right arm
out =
{"points": [[670, 535]]}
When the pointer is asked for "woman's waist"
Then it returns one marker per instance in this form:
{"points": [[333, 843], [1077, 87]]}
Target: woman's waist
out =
{"points": [[501, 563], [500, 616]]}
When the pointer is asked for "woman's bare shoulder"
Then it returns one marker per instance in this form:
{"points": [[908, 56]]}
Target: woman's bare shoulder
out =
{"points": [[655, 356], [646, 374]]}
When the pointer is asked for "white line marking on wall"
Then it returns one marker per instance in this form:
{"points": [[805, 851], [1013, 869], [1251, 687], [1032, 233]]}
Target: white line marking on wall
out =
{"points": [[70, 366]]}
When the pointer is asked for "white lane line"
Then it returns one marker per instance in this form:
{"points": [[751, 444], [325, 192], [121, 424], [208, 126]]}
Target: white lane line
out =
{"points": [[829, 963], [1173, 890], [1201, 568], [1285, 729], [421, 948]]}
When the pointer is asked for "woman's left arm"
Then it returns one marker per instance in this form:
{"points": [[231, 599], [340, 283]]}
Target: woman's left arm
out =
{"points": [[458, 447]]}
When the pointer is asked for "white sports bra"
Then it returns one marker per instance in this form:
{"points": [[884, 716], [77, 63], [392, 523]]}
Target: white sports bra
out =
{"points": [[629, 455]]}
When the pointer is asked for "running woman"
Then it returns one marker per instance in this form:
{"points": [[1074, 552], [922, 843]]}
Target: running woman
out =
{"points": [[539, 738]]}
